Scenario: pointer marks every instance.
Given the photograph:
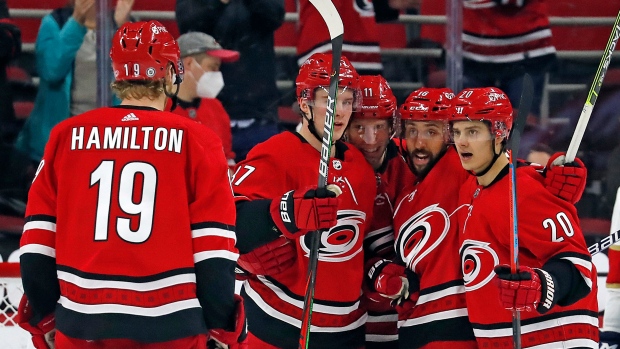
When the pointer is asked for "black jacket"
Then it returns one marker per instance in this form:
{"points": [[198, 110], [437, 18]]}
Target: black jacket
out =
{"points": [[10, 47], [247, 26]]}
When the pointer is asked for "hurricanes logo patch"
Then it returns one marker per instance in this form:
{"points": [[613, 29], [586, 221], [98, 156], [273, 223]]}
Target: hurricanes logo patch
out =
{"points": [[421, 234], [341, 242], [477, 262]]}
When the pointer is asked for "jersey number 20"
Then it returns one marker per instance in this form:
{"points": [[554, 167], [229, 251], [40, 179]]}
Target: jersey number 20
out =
{"points": [[103, 176], [564, 222]]}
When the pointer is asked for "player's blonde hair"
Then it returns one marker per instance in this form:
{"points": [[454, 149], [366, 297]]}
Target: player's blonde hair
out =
{"points": [[138, 89]]}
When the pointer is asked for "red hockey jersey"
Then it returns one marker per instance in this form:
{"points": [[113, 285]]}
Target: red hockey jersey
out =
{"points": [[274, 304], [494, 33], [129, 216], [427, 241], [211, 113], [548, 229], [392, 177], [360, 40]]}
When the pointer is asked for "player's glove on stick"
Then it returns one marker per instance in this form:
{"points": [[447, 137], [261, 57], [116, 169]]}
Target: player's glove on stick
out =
{"points": [[566, 181], [301, 211], [269, 259], [43, 333], [528, 289], [392, 280], [609, 340], [221, 339]]}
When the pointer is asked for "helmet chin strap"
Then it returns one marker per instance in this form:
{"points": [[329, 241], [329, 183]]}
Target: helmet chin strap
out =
{"points": [[312, 128], [173, 96], [495, 157]]}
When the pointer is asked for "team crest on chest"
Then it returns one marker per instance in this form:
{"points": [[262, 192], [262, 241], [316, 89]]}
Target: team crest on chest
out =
{"points": [[421, 234], [341, 242], [477, 262]]}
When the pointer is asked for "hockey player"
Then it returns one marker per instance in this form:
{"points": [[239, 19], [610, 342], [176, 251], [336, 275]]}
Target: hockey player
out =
{"points": [[426, 233], [129, 239], [555, 284], [276, 189], [610, 333], [427, 237], [371, 130]]}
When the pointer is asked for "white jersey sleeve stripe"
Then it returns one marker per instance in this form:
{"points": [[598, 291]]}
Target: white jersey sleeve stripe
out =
{"points": [[38, 249], [584, 264], [40, 225], [198, 233], [579, 261], [201, 256], [442, 315]]}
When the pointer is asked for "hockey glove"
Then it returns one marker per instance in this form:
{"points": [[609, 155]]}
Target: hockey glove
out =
{"points": [[511, 3], [269, 259], [392, 280], [609, 340], [301, 211], [566, 181], [44, 332], [237, 339], [524, 289]]}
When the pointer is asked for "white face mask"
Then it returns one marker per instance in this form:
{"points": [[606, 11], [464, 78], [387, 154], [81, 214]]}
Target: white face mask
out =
{"points": [[210, 84]]}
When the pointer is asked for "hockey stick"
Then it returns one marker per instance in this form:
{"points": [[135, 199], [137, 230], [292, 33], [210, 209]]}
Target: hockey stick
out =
{"points": [[615, 230], [605, 243], [525, 104], [336, 29], [593, 93]]}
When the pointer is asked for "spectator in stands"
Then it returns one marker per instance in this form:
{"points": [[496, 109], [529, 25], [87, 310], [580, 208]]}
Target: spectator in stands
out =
{"points": [[65, 48], [503, 40], [613, 177], [10, 47], [540, 153], [202, 82], [250, 95], [361, 35]]}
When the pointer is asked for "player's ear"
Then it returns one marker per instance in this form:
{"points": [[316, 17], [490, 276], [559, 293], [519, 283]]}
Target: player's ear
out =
{"points": [[499, 143], [303, 106], [170, 75]]}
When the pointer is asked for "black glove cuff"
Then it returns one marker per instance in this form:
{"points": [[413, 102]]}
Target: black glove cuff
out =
{"points": [[414, 281], [548, 297], [287, 211]]}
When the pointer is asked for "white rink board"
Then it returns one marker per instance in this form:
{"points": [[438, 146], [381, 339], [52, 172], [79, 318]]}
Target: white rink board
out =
{"points": [[14, 337]]}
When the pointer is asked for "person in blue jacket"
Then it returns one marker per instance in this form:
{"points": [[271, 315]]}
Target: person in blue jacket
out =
{"points": [[65, 48]]}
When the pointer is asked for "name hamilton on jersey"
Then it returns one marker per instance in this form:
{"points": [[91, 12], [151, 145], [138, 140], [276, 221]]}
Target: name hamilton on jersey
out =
{"points": [[127, 137]]}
